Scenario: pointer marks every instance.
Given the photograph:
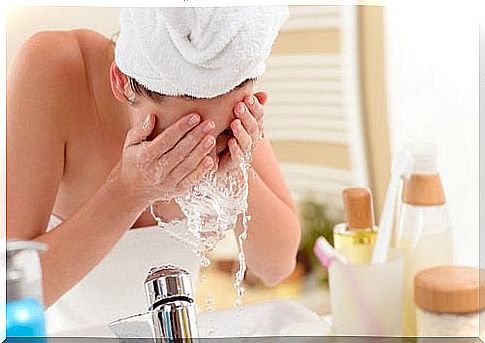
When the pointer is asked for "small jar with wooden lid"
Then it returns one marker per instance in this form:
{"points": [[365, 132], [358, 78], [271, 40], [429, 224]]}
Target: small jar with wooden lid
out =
{"points": [[448, 301]]}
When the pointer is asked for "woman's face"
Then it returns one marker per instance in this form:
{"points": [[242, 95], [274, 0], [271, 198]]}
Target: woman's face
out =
{"points": [[220, 110]]}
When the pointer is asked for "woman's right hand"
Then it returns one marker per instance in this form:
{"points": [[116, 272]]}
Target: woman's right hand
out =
{"points": [[168, 165]]}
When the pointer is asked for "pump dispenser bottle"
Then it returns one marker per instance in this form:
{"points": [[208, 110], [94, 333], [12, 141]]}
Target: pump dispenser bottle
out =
{"points": [[423, 231], [24, 309], [356, 237]]}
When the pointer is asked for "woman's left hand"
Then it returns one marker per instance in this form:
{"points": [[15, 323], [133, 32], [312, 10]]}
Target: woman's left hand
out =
{"points": [[247, 129]]}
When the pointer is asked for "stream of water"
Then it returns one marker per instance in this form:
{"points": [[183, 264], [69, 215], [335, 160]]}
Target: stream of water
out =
{"points": [[212, 207]]}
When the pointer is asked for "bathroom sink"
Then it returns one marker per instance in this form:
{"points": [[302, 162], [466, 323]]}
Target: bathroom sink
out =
{"points": [[272, 318]]}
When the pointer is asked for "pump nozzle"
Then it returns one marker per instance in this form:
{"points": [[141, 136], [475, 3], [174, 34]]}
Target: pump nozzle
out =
{"points": [[16, 274], [423, 156], [15, 246]]}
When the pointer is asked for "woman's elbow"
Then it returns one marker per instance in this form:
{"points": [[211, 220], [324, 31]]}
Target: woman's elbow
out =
{"points": [[280, 269], [278, 274]]}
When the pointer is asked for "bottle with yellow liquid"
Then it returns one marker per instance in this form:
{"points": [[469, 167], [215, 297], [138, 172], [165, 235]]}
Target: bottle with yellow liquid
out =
{"points": [[423, 231], [356, 237]]}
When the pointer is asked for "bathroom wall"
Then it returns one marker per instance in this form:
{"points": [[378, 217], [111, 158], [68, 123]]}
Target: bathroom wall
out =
{"points": [[22, 22], [314, 115]]}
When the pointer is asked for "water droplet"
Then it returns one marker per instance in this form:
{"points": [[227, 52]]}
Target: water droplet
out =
{"points": [[237, 302], [205, 262]]}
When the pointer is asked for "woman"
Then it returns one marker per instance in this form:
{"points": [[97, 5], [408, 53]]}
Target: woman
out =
{"points": [[96, 136]]}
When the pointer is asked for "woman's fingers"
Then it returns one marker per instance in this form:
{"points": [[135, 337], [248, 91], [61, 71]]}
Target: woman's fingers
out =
{"points": [[242, 136], [169, 137], [140, 132], [195, 176], [248, 119], [254, 106], [247, 127], [235, 150], [262, 97], [192, 159], [185, 146]]}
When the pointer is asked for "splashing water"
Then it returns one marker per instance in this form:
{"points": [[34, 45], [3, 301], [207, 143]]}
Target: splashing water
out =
{"points": [[242, 261], [212, 207]]}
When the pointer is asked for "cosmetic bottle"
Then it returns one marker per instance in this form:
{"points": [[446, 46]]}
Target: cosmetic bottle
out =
{"points": [[356, 237], [423, 229], [24, 309]]}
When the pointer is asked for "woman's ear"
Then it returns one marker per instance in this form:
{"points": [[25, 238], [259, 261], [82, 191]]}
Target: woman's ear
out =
{"points": [[120, 85]]}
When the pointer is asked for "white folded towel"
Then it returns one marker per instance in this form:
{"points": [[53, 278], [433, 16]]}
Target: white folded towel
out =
{"points": [[201, 52]]}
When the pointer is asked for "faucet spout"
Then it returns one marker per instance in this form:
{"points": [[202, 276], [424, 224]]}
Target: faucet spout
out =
{"points": [[170, 299]]}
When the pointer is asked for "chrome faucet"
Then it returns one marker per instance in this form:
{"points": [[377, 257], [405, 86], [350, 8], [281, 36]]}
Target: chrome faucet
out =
{"points": [[171, 304]]}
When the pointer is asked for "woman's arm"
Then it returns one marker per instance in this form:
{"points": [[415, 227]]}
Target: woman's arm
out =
{"points": [[82, 241], [39, 87], [274, 229]]}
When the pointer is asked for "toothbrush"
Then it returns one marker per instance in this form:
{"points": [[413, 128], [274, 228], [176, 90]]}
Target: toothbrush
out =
{"points": [[401, 165], [326, 253]]}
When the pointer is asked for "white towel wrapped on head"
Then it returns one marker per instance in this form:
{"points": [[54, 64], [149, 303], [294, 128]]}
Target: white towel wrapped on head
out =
{"points": [[202, 52]]}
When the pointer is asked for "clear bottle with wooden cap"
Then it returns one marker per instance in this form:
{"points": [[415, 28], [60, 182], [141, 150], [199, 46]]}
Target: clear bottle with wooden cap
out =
{"points": [[423, 231], [450, 301], [356, 237]]}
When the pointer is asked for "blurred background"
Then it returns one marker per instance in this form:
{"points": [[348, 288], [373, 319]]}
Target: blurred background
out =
{"points": [[348, 85]]}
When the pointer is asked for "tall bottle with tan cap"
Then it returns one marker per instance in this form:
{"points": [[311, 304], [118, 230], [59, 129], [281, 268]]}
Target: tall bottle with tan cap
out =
{"points": [[423, 231], [356, 237]]}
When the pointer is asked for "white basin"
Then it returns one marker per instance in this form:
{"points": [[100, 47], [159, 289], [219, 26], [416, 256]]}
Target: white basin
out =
{"points": [[272, 318]]}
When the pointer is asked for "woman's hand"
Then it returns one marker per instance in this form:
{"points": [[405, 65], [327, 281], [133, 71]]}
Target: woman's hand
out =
{"points": [[247, 129], [169, 164]]}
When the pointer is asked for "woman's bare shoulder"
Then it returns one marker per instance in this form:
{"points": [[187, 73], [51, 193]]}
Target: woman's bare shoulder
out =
{"points": [[49, 70], [48, 54], [55, 56]]}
